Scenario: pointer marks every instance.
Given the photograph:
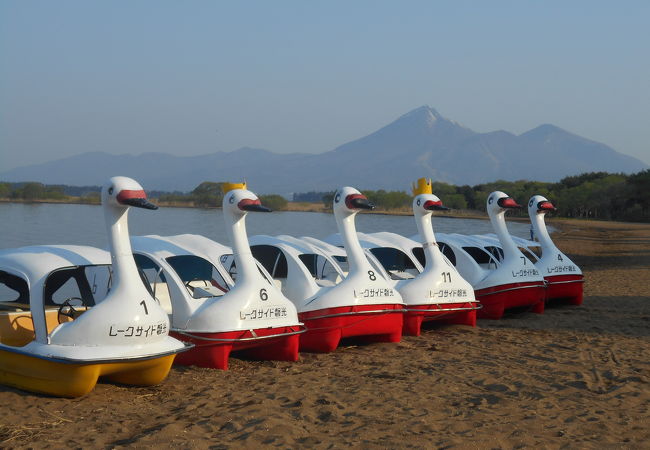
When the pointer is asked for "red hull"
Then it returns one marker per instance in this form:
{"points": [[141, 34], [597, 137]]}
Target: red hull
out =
{"points": [[463, 313], [567, 288], [373, 323], [212, 350], [497, 299]]}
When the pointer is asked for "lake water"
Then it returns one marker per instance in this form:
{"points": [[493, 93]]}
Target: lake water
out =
{"points": [[32, 224]]}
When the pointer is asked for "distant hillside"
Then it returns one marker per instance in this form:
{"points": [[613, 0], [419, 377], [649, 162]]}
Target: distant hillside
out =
{"points": [[419, 143]]}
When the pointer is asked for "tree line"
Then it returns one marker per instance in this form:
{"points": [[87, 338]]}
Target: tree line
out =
{"points": [[597, 195], [594, 195]]}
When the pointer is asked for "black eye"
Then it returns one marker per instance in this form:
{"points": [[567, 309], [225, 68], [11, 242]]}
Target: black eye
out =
{"points": [[418, 202], [490, 200], [337, 198], [110, 190], [530, 203], [231, 199]]}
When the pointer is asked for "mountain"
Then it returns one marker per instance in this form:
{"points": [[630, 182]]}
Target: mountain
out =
{"points": [[419, 143]]}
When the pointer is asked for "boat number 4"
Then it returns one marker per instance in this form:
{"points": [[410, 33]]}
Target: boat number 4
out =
{"points": [[559, 257], [446, 277]]}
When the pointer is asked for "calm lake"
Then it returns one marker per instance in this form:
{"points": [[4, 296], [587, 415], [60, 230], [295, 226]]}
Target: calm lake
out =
{"points": [[33, 224]]}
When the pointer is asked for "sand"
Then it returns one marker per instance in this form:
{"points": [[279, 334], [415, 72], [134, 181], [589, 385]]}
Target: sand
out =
{"points": [[573, 377]]}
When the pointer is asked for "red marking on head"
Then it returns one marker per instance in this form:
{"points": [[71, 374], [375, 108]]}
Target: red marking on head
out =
{"points": [[246, 202], [545, 206], [126, 194], [507, 202], [349, 198], [431, 205]]}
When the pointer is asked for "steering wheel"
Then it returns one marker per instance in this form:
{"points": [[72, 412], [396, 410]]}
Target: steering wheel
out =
{"points": [[67, 309]]}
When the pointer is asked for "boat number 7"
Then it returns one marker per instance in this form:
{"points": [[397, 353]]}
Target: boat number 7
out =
{"points": [[144, 305], [263, 295], [523, 258]]}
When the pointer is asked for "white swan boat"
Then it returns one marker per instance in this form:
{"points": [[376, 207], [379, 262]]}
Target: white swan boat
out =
{"points": [[72, 314], [334, 302], [502, 276], [433, 292], [564, 279], [210, 310]]}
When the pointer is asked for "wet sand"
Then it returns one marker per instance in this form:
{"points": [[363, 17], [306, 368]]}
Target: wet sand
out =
{"points": [[574, 377]]}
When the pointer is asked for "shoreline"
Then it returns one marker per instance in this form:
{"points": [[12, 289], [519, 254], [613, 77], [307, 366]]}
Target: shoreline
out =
{"points": [[571, 377], [291, 207]]}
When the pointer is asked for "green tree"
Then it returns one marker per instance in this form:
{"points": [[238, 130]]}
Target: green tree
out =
{"points": [[274, 201]]}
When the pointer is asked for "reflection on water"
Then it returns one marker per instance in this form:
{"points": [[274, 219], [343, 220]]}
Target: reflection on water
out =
{"points": [[33, 224]]}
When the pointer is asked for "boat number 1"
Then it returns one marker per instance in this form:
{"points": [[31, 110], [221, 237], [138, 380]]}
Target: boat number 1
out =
{"points": [[372, 275], [446, 277], [263, 295], [144, 305]]}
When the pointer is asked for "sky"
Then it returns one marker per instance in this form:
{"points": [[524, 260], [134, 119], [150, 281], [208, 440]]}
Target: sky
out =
{"points": [[196, 77]]}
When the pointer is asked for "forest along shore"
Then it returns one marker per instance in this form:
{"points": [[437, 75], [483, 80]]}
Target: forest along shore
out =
{"points": [[574, 377]]}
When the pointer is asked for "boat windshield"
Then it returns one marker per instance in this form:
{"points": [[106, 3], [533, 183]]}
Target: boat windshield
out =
{"points": [[200, 277], [397, 263], [14, 293]]}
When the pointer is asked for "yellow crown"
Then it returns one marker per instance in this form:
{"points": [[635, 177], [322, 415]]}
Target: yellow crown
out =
{"points": [[422, 186], [227, 187]]}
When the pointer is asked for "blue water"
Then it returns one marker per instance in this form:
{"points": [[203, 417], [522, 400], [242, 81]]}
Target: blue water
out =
{"points": [[33, 224]]}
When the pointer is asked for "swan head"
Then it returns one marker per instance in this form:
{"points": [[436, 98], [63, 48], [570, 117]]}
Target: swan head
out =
{"points": [[498, 202], [122, 192], [239, 201], [348, 200], [539, 204], [425, 203]]}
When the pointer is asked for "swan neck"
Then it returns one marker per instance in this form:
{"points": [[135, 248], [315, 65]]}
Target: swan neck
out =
{"points": [[356, 257], [540, 231], [427, 236], [117, 224], [499, 224], [244, 260]]}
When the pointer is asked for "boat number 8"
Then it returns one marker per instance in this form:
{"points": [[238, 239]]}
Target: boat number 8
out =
{"points": [[263, 295], [371, 275]]}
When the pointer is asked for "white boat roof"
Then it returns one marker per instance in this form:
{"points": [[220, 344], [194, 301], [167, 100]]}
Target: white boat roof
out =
{"points": [[325, 246], [386, 238], [182, 244], [35, 262], [281, 242], [519, 241]]}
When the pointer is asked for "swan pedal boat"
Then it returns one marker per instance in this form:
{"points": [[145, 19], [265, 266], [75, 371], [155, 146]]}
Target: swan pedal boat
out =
{"points": [[76, 313], [191, 276], [503, 278], [188, 277], [357, 302]]}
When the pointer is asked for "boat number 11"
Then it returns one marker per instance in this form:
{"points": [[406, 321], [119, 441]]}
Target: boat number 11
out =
{"points": [[446, 277]]}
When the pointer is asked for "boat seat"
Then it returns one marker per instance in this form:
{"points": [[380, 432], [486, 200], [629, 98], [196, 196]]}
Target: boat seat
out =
{"points": [[162, 295], [17, 327], [324, 283]]}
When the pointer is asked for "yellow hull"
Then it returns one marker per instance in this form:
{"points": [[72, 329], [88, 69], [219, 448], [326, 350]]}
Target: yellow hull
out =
{"points": [[74, 379]]}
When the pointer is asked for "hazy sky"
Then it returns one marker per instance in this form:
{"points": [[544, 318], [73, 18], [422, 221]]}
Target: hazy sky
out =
{"points": [[194, 77]]}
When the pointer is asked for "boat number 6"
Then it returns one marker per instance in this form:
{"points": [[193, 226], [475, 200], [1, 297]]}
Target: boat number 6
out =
{"points": [[371, 275], [263, 295]]}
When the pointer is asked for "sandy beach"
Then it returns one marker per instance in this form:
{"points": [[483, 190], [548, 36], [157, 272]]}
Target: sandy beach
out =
{"points": [[575, 377]]}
